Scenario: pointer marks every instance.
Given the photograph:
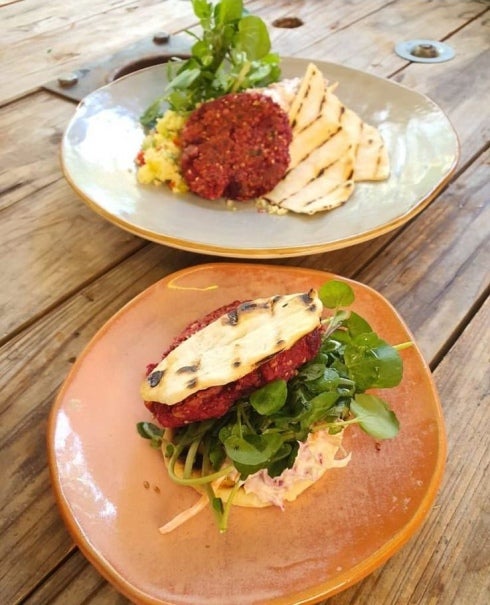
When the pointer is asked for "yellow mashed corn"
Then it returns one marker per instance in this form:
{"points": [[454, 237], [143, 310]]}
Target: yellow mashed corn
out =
{"points": [[160, 154]]}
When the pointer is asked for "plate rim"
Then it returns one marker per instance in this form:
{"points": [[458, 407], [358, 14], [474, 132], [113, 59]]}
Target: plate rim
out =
{"points": [[320, 591], [267, 252]]}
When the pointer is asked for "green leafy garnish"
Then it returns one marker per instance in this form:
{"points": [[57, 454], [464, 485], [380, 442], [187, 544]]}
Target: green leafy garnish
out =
{"points": [[231, 55], [374, 416], [328, 392], [269, 399], [335, 294], [150, 431]]}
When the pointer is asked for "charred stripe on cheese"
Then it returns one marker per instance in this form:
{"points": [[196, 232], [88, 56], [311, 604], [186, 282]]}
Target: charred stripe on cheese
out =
{"points": [[233, 345], [314, 136], [309, 99]]}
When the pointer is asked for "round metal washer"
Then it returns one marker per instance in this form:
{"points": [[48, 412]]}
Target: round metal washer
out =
{"points": [[424, 51]]}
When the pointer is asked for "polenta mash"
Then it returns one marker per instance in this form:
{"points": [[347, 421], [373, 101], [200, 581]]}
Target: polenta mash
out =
{"points": [[159, 158]]}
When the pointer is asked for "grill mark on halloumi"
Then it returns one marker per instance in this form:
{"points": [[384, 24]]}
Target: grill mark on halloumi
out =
{"points": [[192, 369], [337, 195], [309, 98], [325, 192], [305, 144]]}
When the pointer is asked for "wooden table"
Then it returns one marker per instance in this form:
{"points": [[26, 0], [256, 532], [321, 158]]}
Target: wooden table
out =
{"points": [[65, 271]]}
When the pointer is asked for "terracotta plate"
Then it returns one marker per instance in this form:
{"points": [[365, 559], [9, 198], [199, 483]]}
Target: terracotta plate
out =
{"points": [[113, 491], [104, 136]]}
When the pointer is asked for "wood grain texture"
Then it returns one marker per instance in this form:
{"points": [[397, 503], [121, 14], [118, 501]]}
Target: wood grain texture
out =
{"points": [[371, 47], [449, 84], [39, 45], [35, 363], [65, 271], [56, 250], [432, 283], [31, 163]]}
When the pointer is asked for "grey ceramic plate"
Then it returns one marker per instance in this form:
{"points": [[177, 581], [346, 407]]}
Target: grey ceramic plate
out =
{"points": [[104, 136]]}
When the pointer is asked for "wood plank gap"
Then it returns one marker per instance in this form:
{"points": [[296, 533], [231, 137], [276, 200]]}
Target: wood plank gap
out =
{"points": [[471, 160], [24, 95], [443, 39], [365, 15], [460, 328], [466, 23], [20, 184], [71, 553]]}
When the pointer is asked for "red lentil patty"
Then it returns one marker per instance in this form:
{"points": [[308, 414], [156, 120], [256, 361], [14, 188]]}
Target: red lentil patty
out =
{"points": [[236, 147], [214, 402]]}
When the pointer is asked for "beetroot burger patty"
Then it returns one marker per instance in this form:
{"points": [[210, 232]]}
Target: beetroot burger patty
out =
{"points": [[213, 402], [235, 147]]}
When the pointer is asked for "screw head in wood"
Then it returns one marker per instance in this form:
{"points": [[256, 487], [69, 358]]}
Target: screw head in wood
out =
{"points": [[68, 80]]}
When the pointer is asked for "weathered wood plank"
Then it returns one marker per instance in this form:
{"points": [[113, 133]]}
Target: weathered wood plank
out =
{"points": [[52, 253], [448, 84], [76, 583], [73, 38], [370, 46], [80, 583], [41, 43], [46, 352], [27, 19], [441, 266], [31, 163], [435, 272]]}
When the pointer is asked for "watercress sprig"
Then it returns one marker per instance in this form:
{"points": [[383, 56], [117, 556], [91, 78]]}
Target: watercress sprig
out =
{"points": [[231, 54]]}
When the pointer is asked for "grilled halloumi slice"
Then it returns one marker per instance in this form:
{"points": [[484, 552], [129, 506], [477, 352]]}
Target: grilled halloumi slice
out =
{"points": [[321, 193], [232, 346], [308, 102], [331, 149], [316, 134], [372, 161], [321, 181]]}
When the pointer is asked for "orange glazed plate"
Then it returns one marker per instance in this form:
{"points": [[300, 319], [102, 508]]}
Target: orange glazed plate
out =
{"points": [[114, 493]]}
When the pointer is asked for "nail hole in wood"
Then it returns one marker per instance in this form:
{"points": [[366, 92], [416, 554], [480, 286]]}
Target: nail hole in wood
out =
{"points": [[287, 22]]}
